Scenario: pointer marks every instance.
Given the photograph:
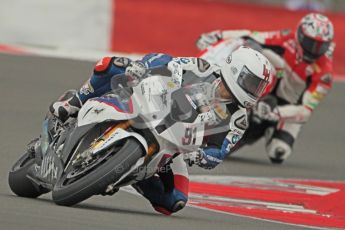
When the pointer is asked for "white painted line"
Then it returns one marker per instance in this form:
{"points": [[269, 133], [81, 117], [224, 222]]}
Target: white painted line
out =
{"points": [[196, 198], [261, 219], [263, 183], [132, 191]]}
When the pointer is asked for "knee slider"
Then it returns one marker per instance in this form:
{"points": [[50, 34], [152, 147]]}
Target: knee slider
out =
{"points": [[180, 202], [172, 203], [168, 211], [278, 150], [179, 205]]}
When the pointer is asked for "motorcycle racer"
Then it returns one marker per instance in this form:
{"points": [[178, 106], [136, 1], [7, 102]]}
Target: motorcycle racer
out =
{"points": [[303, 63], [237, 83]]}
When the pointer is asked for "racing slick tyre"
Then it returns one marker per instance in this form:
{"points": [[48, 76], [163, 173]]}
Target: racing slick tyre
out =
{"points": [[69, 192], [18, 181]]}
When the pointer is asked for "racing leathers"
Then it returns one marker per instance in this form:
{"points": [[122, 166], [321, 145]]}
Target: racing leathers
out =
{"points": [[168, 190], [301, 85]]}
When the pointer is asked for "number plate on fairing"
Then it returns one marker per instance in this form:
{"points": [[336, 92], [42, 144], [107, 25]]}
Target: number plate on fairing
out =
{"points": [[185, 135]]}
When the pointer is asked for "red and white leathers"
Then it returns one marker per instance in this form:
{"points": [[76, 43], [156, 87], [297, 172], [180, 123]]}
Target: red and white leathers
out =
{"points": [[300, 88]]}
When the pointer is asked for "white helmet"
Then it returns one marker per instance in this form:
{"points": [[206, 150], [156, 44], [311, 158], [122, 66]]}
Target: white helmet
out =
{"points": [[246, 73]]}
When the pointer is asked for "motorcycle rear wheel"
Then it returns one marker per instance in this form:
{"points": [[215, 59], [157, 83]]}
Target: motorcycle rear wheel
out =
{"points": [[96, 181]]}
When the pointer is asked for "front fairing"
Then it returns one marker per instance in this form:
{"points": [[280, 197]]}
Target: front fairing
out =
{"points": [[149, 99], [104, 108], [153, 98]]}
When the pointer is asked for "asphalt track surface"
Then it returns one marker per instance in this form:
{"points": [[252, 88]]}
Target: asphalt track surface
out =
{"points": [[29, 84]]}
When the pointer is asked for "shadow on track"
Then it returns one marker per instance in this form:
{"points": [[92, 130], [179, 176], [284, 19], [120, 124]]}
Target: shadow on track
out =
{"points": [[13, 196], [239, 159], [93, 207]]}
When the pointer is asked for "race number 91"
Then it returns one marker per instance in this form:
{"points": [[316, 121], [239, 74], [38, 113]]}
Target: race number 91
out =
{"points": [[190, 136]]}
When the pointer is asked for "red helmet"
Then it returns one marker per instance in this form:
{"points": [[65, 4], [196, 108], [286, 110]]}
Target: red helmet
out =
{"points": [[314, 34]]}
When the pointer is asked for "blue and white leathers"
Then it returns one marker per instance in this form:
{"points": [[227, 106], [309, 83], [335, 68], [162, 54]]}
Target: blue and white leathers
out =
{"points": [[168, 191]]}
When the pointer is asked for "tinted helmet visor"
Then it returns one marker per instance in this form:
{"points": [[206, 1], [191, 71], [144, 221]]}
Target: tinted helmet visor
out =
{"points": [[251, 83]]}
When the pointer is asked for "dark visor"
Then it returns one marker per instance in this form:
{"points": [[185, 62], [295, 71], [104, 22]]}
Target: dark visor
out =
{"points": [[312, 46], [250, 83]]}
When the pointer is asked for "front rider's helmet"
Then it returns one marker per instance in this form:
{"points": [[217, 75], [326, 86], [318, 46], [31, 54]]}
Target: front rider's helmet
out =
{"points": [[246, 74], [314, 34]]}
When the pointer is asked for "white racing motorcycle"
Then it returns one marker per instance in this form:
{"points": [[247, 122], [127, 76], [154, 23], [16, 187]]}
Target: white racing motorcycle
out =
{"points": [[118, 139]]}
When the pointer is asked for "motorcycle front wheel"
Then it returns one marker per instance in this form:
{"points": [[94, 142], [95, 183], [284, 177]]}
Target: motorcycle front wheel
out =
{"points": [[68, 192]]}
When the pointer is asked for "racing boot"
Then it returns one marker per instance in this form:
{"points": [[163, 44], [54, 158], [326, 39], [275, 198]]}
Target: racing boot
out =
{"points": [[68, 105]]}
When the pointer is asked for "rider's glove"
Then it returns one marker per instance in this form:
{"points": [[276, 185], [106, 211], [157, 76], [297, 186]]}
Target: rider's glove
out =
{"points": [[207, 39], [136, 70], [208, 159], [203, 158], [192, 158], [265, 112]]}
